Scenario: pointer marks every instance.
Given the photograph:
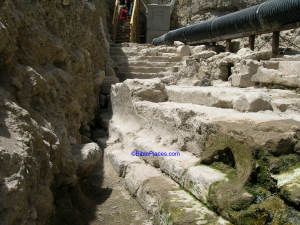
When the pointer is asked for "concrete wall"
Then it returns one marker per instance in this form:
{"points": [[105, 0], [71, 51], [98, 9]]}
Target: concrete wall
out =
{"points": [[158, 21]]}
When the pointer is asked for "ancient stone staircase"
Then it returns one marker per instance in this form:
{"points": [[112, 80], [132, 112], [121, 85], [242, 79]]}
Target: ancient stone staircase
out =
{"points": [[123, 36], [233, 142], [142, 62]]}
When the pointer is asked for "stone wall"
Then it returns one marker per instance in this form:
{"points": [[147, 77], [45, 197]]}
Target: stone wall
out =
{"points": [[53, 55]]}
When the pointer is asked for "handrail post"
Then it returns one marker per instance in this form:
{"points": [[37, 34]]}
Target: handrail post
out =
{"points": [[275, 42], [251, 42], [134, 22], [115, 20]]}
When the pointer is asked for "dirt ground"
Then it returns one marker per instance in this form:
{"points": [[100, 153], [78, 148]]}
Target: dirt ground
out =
{"points": [[112, 202]]}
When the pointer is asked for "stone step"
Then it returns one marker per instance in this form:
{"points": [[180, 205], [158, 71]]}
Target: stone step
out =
{"points": [[136, 75], [124, 57], [160, 195], [143, 63], [171, 50], [122, 40], [112, 45], [246, 99], [276, 78], [183, 167], [234, 98], [136, 69], [220, 149], [138, 53]]}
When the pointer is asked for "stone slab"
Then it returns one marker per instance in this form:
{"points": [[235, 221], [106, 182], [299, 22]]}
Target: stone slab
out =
{"points": [[121, 160]]}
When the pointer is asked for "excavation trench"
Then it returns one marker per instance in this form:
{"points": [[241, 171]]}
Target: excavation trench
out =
{"points": [[112, 203]]}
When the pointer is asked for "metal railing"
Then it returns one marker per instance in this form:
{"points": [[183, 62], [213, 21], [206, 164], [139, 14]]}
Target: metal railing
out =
{"points": [[134, 18], [115, 20], [134, 21]]}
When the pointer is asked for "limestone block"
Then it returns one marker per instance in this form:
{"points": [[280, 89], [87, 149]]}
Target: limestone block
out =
{"points": [[106, 84], [183, 50], [291, 58], [289, 67], [162, 197], [263, 55], [247, 68], [121, 160], [198, 180], [178, 43], [270, 65], [269, 76], [137, 174], [199, 48], [146, 146], [241, 80], [205, 54], [176, 166], [285, 104], [289, 184], [86, 155], [147, 89], [252, 102], [247, 53]]}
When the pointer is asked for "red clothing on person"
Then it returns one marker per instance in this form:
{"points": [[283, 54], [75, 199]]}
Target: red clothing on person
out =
{"points": [[123, 14]]}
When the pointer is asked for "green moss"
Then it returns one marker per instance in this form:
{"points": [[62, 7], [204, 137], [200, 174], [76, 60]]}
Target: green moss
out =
{"points": [[264, 176], [291, 192], [260, 194], [242, 154], [283, 163], [273, 211]]}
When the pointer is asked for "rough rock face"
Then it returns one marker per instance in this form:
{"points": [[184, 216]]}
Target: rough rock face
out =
{"points": [[52, 54], [195, 11]]}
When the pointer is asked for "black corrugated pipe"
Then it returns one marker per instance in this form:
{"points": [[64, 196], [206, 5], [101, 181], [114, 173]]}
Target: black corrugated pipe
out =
{"points": [[270, 15]]}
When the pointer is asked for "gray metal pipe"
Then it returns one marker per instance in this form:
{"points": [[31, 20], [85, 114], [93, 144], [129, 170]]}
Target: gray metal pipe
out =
{"points": [[266, 17]]}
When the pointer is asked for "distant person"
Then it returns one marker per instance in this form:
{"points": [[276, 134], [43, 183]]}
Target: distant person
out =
{"points": [[129, 2], [123, 18], [122, 2]]}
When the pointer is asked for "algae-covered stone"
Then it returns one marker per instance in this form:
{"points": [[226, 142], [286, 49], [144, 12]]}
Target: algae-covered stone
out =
{"points": [[289, 184], [273, 211], [198, 180], [291, 191], [172, 205]]}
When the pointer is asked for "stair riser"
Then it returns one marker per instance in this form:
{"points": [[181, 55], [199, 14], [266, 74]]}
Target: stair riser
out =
{"points": [[137, 53], [145, 64], [141, 69], [123, 56], [124, 76]]}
